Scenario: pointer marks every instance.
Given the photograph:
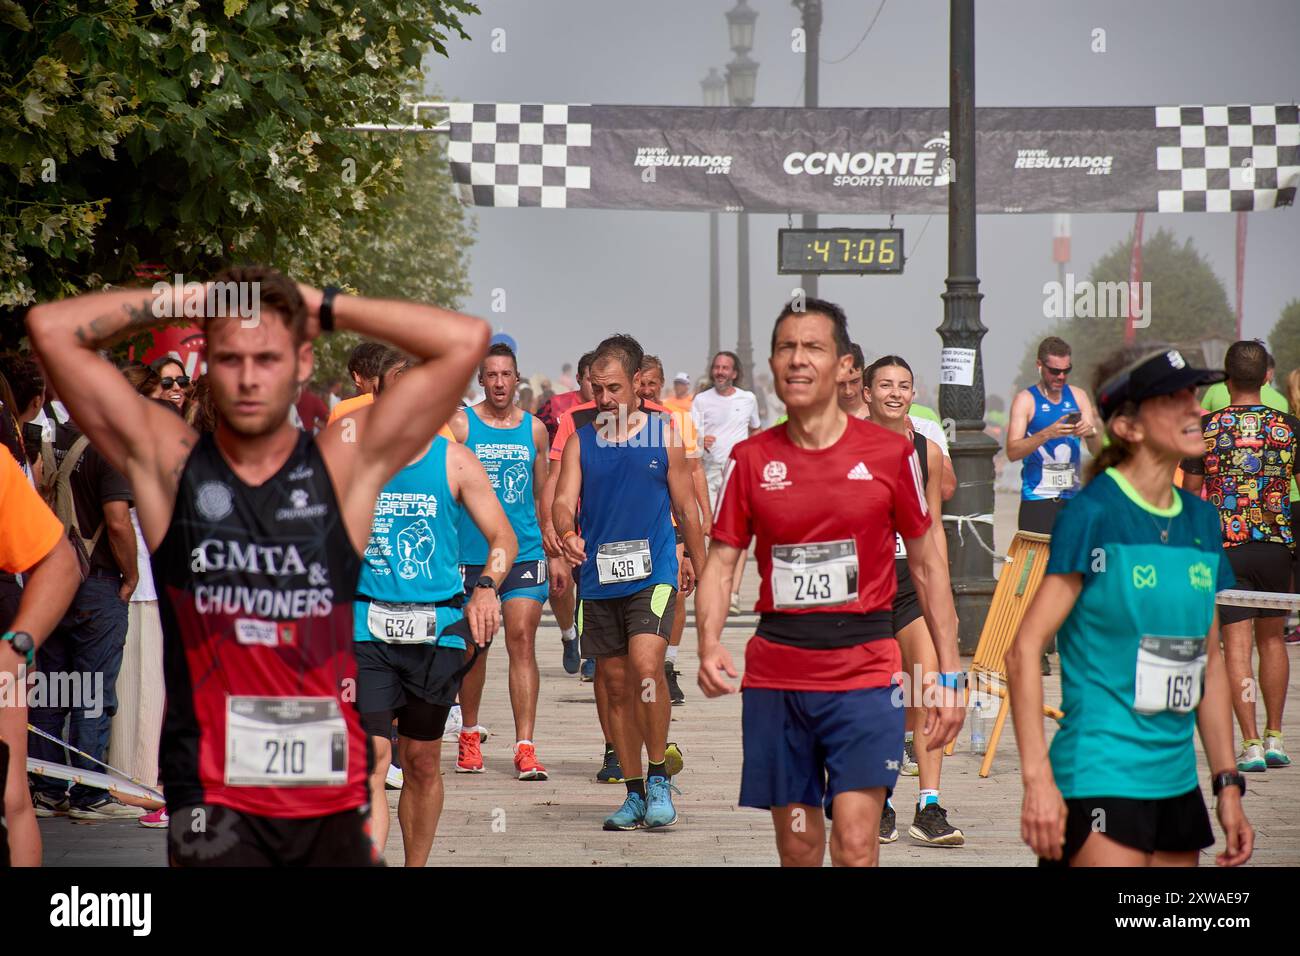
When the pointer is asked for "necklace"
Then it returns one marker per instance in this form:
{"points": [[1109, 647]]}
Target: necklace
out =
{"points": [[1164, 532]]}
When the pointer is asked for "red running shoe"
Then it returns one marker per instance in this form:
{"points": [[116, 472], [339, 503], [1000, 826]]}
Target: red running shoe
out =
{"points": [[527, 764], [469, 755]]}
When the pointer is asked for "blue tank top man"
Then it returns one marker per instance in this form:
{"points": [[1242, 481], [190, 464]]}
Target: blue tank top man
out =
{"points": [[1049, 422]]}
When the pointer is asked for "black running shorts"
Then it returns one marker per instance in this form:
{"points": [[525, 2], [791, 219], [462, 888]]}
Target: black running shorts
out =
{"points": [[1257, 566], [604, 627], [1172, 825], [213, 835]]}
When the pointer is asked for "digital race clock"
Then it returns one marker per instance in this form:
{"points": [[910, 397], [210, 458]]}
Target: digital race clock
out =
{"points": [[848, 251]]}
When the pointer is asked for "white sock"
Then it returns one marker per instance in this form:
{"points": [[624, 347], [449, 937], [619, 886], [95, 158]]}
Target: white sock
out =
{"points": [[571, 634], [921, 798], [672, 653], [518, 742]]}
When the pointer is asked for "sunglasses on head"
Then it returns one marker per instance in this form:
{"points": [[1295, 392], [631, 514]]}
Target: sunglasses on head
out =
{"points": [[182, 380], [1058, 371]]}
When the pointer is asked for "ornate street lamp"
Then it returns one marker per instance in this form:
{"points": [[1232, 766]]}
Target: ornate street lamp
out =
{"points": [[740, 26]]}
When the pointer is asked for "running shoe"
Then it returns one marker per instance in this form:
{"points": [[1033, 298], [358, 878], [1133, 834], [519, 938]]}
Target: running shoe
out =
{"points": [[1293, 636], [158, 820], [588, 669], [931, 826], [888, 825], [674, 691], [611, 772], [1274, 755], [735, 604], [629, 816], [106, 808], [469, 752], [659, 809], [48, 806], [1252, 759], [451, 730], [572, 662], [526, 762], [394, 779], [673, 761], [909, 768]]}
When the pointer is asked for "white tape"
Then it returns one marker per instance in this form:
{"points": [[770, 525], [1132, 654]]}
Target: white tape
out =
{"points": [[1269, 600], [963, 520]]}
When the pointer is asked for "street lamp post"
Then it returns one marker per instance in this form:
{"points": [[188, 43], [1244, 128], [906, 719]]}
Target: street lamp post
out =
{"points": [[742, 77], [812, 27], [963, 405], [715, 92]]}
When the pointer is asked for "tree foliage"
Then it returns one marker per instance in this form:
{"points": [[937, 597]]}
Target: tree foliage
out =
{"points": [[1284, 342], [193, 134], [1188, 303]]}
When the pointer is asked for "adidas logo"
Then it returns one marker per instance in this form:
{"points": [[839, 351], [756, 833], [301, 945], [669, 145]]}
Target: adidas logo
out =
{"points": [[527, 575], [860, 473]]}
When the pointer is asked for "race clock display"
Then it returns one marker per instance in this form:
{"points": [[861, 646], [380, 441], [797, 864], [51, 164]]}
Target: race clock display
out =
{"points": [[840, 251]]}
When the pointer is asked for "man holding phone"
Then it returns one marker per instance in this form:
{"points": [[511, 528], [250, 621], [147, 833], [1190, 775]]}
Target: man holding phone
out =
{"points": [[1047, 422]]}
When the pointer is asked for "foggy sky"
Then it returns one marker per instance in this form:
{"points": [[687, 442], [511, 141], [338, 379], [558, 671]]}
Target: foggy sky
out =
{"points": [[572, 276]]}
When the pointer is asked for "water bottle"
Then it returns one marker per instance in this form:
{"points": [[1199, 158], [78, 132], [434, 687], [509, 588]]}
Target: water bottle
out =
{"points": [[979, 735]]}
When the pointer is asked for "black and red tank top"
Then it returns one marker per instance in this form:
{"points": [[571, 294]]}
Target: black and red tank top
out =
{"points": [[255, 589], [900, 550]]}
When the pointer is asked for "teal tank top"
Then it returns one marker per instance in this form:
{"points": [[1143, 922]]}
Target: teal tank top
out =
{"points": [[413, 553], [507, 455]]}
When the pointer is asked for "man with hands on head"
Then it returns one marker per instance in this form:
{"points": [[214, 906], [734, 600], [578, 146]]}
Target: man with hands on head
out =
{"points": [[257, 531]]}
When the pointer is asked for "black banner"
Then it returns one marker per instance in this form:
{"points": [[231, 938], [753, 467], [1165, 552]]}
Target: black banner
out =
{"points": [[1028, 159]]}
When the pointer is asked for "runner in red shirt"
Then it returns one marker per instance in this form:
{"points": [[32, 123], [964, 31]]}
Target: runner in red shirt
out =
{"points": [[824, 494]]}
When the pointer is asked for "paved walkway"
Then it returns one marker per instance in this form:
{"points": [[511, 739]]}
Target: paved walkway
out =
{"points": [[494, 819]]}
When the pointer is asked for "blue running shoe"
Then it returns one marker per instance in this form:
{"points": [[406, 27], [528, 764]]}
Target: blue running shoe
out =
{"points": [[630, 815], [589, 669], [571, 659], [659, 811]]}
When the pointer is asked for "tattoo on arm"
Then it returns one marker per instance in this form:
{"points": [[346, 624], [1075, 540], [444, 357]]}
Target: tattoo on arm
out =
{"points": [[105, 329]]}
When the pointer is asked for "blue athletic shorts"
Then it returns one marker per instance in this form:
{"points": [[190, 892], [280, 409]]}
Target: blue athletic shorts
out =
{"points": [[526, 579], [807, 746]]}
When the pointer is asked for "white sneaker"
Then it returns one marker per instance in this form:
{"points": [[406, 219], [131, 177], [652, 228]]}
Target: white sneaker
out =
{"points": [[1251, 759], [735, 604], [106, 808], [451, 730], [395, 778], [1274, 754]]}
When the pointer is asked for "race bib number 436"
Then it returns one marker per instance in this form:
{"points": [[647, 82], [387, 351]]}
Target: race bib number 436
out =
{"points": [[619, 561], [1170, 672], [814, 574]]}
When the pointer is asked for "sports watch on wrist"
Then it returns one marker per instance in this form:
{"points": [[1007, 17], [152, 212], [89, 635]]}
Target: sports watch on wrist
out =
{"points": [[326, 311], [22, 644], [1229, 778], [486, 582]]}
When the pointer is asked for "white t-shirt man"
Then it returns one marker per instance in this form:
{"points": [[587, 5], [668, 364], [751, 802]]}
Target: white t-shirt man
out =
{"points": [[729, 419], [931, 430]]}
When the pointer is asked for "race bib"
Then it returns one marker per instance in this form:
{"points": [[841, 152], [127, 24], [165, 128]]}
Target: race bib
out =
{"points": [[1170, 672], [1058, 475], [402, 623], [285, 742], [619, 561], [814, 574], [900, 549]]}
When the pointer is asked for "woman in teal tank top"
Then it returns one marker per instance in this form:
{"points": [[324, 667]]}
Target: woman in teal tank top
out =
{"points": [[1130, 593]]}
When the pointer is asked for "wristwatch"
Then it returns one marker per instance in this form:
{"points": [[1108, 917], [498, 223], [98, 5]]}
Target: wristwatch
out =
{"points": [[485, 582], [22, 644], [1229, 778], [326, 310]]}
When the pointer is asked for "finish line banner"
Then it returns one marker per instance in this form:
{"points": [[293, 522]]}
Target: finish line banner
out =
{"points": [[776, 160]]}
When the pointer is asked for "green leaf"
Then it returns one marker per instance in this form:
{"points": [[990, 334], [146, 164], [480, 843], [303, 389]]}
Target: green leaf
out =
{"points": [[234, 7]]}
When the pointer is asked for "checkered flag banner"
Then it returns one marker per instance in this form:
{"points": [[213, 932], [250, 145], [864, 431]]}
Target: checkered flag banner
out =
{"points": [[1227, 158], [878, 160], [512, 154]]}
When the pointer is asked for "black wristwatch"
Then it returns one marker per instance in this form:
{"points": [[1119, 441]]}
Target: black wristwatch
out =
{"points": [[22, 643], [326, 310], [1229, 778], [486, 582]]}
